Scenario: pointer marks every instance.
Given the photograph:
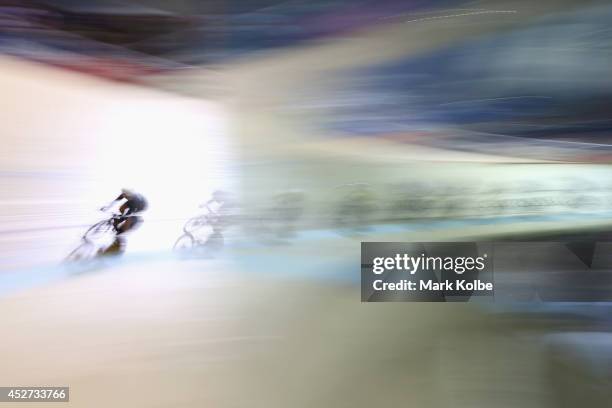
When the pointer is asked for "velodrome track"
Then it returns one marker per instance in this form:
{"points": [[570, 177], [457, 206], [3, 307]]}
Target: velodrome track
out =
{"points": [[253, 326]]}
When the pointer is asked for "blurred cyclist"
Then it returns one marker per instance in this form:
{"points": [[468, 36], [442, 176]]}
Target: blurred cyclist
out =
{"points": [[286, 210], [134, 203], [355, 207], [221, 208]]}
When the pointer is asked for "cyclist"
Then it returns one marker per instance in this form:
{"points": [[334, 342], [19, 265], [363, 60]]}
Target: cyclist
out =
{"points": [[286, 210], [356, 206], [125, 220], [220, 208], [134, 203]]}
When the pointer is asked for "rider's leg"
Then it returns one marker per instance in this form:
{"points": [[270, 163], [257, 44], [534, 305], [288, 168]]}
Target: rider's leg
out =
{"points": [[124, 210], [116, 248], [130, 223], [125, 226]]}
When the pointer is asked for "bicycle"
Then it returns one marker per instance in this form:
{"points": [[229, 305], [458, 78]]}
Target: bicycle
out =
{"points": [[190, 239], [354, 211], [88, 249]]}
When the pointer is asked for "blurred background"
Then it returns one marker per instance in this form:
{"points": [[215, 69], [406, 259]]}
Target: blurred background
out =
{"points": [[324, 124]]}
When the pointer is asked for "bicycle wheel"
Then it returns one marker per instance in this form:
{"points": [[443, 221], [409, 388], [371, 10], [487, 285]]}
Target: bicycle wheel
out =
{"points": [[84, 252], [184, 243], [99, 229]]}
